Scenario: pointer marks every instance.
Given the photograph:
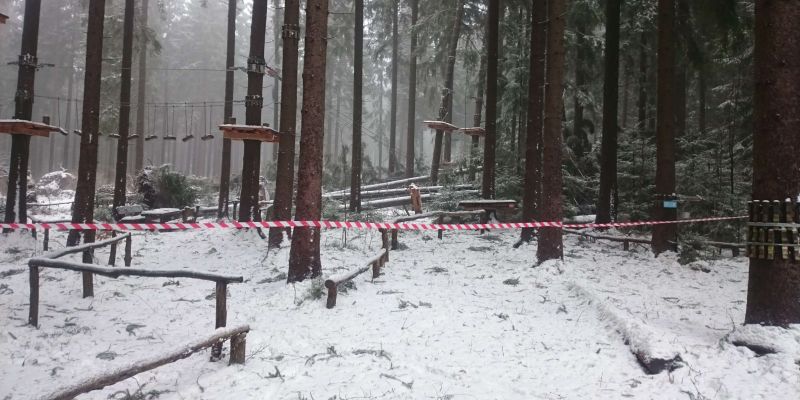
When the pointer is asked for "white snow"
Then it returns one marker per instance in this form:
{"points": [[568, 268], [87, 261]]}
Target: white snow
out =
{"points": [[466, 317]]}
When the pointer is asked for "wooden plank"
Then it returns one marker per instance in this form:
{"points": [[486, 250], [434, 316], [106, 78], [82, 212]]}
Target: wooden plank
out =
{"points": [[474, 131], [30, 128], [440, 126], [129, 370], [249, 132]]}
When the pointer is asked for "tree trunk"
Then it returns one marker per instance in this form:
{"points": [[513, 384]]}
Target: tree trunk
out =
{"points": [[121, 178], [83, 207], [141, 87], [412, 91], [284, 182], [446, 108], [23, 109], [550, 240], [702, 90], [492, 49], [774, 285], [393, 106], [665, 130], [276, 80], [608, 151], [578, 132], [533, 144], [225, 168], [251, 162], [358, 63], [304, 259]]}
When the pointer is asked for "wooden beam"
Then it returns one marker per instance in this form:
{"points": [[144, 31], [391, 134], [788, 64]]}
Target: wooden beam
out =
{"points": [[117, 272]]}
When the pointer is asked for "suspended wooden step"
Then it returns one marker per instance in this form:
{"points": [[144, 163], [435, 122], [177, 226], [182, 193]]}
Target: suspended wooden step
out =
{"points": [[150, 137], [114, 136], [249, 132], [170, 138], [207, 136], [30, 128], [63, 131], [77, 132], [133, 136], [187, 138], [475, 131], [440, 126]]}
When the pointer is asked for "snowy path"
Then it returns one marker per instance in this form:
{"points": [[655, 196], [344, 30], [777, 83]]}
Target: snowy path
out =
{"points": [[462, 318]]}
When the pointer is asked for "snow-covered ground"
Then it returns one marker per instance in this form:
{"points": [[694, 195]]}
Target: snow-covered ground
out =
{"points": [[467, 317]]}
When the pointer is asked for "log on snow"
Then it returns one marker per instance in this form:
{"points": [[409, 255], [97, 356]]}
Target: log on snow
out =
{"points": [[100, 381], [117, 272]]}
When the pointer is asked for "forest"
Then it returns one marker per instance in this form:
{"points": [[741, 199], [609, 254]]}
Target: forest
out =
{"points": [[481, 155]]}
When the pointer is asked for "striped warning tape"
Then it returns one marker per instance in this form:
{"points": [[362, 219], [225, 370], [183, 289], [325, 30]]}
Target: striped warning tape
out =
{"points": [[341, 224]]}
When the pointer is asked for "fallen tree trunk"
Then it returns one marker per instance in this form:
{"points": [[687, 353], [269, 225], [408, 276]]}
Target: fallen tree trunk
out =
{"points": [[100, 381]]}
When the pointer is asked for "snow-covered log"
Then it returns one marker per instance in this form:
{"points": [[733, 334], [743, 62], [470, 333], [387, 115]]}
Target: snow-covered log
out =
{"points": [[237, 336]]}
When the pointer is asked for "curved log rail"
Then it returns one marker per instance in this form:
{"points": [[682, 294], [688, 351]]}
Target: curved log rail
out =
{"points": [[236, 335], [375, 264]]}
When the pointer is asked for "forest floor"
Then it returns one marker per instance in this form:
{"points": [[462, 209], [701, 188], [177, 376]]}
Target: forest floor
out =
{"points": [[467, 317]]}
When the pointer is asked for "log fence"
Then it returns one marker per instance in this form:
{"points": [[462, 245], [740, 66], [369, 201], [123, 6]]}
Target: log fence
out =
{"points": [[375, 264]]}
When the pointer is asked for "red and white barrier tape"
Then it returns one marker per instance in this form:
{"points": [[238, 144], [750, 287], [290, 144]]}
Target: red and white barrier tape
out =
{"points": [[342, 224]]}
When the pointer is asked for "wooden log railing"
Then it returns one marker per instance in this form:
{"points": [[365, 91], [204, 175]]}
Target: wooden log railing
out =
{"points": [[375, 264], [237, 336], [440, 218], [625, 240]]}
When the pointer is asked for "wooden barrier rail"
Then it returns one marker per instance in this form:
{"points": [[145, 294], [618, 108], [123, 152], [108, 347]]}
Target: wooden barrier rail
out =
{"points": [[237, 336], [625, 240], [375, 263]]}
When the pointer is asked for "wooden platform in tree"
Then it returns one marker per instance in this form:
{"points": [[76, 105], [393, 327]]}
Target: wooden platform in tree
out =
{"points": [[30, 128], [475, 131], [249, 132], [440, 126]]}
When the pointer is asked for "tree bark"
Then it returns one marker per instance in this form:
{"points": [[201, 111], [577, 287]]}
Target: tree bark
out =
{"points": [[358, 64], [121, 177], [492, 52], [23, 109], [665, 130], [393, 106], [533, 144], [276, 80], [774, 285], [412, 91], [608, 150], [550, 240], [284, 182], [225, 168], [304, 261], [446, 107], [251, 162], [141, 87], [83, 207]]}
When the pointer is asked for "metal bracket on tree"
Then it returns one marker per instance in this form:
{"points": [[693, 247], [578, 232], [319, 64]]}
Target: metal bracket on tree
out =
{"points": [[256, 65], [254, 100], [291, 31]]}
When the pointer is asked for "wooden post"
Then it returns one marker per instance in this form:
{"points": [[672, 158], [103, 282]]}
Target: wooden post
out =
{"points": [[376, 268], [238, 346], [222, 315], [196, 213], [416, 199], [626, 245], [332, 290], [439, 221], [33, 313], [88, 277], [128, 251], [395, 244], [112, 253], [46, 242]]}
